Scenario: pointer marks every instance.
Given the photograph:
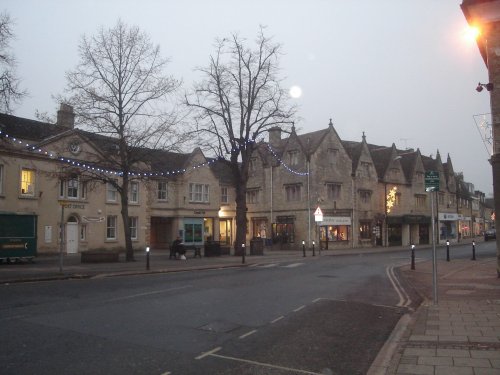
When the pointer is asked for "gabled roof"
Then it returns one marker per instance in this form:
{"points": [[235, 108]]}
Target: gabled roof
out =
{"points": [[381, 157]]}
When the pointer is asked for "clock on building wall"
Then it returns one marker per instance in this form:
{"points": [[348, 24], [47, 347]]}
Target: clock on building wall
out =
{"points": [[74, 147]]}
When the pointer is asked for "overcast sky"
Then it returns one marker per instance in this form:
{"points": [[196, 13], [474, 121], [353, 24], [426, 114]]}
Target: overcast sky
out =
{"points": [[399, 70]]}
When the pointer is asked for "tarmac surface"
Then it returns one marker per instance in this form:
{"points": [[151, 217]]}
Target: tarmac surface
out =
{"points": [[457, 334]]}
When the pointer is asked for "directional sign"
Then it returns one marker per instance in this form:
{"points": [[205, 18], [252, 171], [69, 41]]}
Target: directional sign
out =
{"points": [[431, 181]]}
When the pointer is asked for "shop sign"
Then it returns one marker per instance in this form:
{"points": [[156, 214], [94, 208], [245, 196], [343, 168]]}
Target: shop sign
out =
{"points": [[447, 216], [336, 220]]}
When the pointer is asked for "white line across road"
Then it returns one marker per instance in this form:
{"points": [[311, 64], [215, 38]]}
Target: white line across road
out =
{"points": [[404, 299], [248, 334], [277, 319], [148, 293], [293, 265], [213, 352]]}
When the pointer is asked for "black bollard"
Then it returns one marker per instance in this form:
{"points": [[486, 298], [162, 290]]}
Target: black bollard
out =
{"points": [[473, 250], [243, 251], [147, 258], [447, 250], [304, 248], [314, 254], [412, 257]]}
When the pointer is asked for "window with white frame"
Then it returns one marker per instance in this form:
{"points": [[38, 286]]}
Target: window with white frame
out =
{"points": [[224, 197], [133, 221], [134, 192], [72, 188], [253, 196], [28, 182], [162, 192], [111, 227], [111, 192], [199, 193], [333, 190], [292, 193], [1, 178]]}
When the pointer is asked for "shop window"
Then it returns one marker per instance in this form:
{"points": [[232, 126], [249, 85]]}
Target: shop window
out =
{"points": [[28, 182], [193, 233], [365, 230], [259, 226]]}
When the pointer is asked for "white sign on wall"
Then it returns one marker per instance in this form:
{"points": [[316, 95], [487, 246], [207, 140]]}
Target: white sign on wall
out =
{"points": [[336, 220]]}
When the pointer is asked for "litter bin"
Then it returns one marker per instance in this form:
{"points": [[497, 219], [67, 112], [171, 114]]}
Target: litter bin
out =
{"points": [[257, 246]]}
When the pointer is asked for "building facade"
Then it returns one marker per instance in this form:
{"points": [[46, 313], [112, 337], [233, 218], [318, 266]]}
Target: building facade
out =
{"points": [[369, 195]]}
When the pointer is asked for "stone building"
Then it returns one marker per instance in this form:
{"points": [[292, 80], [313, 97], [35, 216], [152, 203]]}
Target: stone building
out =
{"points": [[369, 195]]}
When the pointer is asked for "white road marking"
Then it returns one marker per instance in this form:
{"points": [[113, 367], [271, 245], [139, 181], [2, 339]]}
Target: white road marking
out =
{"points": [[248, 334], [294, 370], [148, 293], [269, 265], [293, 265], [316, 300], [211, 352], [277, 319], [299, 308]]}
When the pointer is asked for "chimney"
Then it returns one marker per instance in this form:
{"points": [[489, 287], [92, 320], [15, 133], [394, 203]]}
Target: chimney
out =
{"points": [[66, 116], [274, 136]]}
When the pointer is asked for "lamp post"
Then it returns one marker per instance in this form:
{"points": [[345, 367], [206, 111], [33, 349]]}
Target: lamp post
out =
{"points": [[486, 18]]}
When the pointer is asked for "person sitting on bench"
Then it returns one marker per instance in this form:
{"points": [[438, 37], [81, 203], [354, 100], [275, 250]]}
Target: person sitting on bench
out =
{"points": [[177, 248]]}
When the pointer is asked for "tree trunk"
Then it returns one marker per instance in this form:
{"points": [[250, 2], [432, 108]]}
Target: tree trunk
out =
{"points": [[241, 216], [129, 251]]}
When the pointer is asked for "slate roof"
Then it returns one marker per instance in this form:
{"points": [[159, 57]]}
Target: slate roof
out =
{"points": [[29, 130]]}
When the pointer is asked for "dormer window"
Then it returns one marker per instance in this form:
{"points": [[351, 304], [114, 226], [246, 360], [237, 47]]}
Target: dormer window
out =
{"points": [[293, 157]]}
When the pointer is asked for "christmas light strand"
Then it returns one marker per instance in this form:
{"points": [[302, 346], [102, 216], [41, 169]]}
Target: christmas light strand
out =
{"points": [[93, 168]]}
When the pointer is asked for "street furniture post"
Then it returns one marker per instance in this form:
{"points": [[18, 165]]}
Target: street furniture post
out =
{"points": [[473, 250], [61, 238], [243, 253], [412, 257], [447, 250], [314, 254], [303, 248], [147, 258]]}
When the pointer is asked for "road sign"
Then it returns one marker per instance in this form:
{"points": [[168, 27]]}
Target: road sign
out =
{"points": [[318, 214], [431, 181]]}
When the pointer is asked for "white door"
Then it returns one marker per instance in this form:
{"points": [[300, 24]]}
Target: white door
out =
{"points": [[71, 238]]}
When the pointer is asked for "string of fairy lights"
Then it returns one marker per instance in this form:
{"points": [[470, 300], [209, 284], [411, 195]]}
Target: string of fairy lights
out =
{"points": [[97, 169]]}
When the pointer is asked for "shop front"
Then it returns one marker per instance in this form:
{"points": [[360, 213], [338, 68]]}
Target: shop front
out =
{"points": [[418, 229], [447, 224], [464, 226], [394, 230], [283, 231], [334, 231]]}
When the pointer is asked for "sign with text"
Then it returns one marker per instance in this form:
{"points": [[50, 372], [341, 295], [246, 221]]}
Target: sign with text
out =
{"points": [[431, 181]]}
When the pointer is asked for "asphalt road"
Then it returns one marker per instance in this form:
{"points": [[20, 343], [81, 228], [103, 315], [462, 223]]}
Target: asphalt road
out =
{"points": [[323, 315]]}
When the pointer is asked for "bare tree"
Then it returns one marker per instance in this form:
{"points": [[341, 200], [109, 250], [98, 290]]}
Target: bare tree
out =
{"points": [[10, 91], [119, 90], [236, 103]]}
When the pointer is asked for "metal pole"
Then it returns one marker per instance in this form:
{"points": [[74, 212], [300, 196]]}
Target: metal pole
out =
{"points": [[434, 263], [412, 257], [304, 248], [314, 254], [61, 239], [447, 250], [147, 258], [243, 250], [308, 204], [473, 250]]}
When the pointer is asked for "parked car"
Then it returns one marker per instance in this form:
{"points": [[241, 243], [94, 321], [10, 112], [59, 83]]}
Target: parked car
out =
{"points": [[490, 234]]}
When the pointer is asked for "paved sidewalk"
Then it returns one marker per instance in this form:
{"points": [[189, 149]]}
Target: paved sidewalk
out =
{"points": [[458, 335]]}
